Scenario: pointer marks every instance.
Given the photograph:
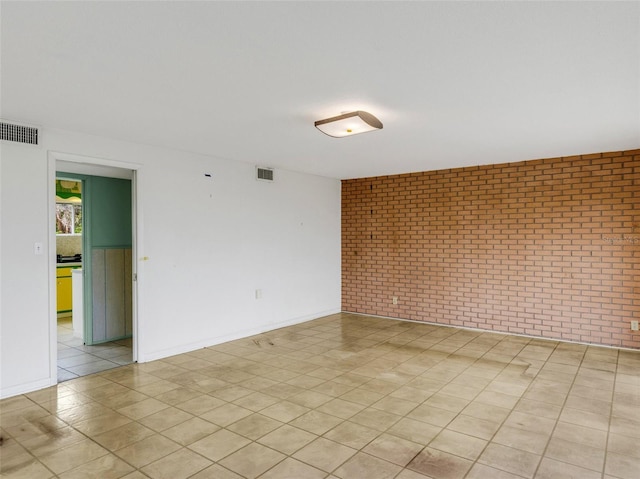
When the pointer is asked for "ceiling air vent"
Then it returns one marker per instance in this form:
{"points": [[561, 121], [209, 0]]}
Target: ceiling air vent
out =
{"points": [[264, 174], [27, 135]]}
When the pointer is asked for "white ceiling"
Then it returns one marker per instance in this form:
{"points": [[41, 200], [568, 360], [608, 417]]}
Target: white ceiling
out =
{"points": [[455, 83]]}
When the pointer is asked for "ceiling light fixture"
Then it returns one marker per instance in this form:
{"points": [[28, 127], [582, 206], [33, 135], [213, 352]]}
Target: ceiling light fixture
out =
{"points": [[349, 124]]}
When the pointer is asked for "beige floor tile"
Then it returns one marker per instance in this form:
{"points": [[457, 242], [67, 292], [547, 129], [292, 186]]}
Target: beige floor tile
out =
{"points": [[447, 402], [529, 422], [341, 408], [587, 404], [578, 455], [585, 418], [376, 419], [125, 399], [626, 426], [623, 445], [165, 419], [101, 424], [538, 408], [395, 405], [410, 393], [190, 431], [73, 456], [415, 431], [594, 393], [178, 465], [432, 415], [473, 426], [13, 457], [283, 390], [284, 411], [482, 471], [29, 470], [364, 465], [52, 441], [440, 465], [147, 450], [393, 449], [316, 422], [310, 399], [304, 381], [200, 405], [408, 474], [256, 401], [262, 459], [35, 428], [142, 408], [352, 435], [580, 435], [552, 469], [293, 469], [287, 439], [105, 467], [510, 460], [231, 393], [254, 426], [497, 399], [324, 454], [123, 436], [488, 412], [16, 403], [226, 414], [178, 395], [625, 467], [376, 390], [460, 391], [219, 444], [362, 396], [333, 388], [522, 439], [216, 471], [458, 444]]}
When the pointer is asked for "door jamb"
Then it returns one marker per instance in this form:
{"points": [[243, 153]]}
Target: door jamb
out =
{"points": [[97, 167]]}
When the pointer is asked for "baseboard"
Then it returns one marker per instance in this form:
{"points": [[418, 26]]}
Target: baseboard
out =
{"points": [[27, 387]]}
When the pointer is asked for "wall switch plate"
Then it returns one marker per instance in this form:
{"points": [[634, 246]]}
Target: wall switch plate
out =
{"points": [[258, 293], [37, 248], [394, 300], [635, 326]]}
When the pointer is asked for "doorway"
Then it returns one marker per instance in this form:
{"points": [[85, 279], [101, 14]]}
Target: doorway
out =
{"points": [[103, 286]]}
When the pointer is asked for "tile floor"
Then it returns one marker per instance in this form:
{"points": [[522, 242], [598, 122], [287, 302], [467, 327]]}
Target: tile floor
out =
{"points": [[343, 396], [75, 359]]}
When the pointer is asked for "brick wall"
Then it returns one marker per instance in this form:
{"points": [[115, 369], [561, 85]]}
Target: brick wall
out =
{"points": [[545, 248]]}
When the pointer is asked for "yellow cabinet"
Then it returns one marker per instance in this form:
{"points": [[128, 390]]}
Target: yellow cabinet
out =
{"points": [[63, 289]]}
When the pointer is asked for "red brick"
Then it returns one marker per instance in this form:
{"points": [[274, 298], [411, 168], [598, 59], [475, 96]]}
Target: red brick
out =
{"points": [[536, 247]]}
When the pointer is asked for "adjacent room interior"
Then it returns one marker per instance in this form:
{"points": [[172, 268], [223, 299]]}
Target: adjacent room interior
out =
{"points": [[320, 239]]}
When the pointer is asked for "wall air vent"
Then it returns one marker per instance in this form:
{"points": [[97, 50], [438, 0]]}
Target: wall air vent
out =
{"points": [[27, 135], [264, 174]]}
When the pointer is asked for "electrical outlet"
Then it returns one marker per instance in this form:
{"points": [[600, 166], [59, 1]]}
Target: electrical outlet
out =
{"points": [[394, 300], [634, 326]]}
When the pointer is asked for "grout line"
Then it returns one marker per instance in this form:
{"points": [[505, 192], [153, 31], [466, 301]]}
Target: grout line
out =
{"points": [[613, 395]]}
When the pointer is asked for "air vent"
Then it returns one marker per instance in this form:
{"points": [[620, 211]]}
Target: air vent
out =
{"points": [[264, 174], [27, 135]]}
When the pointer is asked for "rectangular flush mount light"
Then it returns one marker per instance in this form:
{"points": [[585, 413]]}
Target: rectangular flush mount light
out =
{"points": [[349, 124]]}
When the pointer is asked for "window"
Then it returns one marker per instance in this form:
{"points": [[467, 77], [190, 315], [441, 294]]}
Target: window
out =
{"points": [[68, 219]]}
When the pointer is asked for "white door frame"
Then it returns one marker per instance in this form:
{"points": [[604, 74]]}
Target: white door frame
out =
{"points": [[70, 163]]}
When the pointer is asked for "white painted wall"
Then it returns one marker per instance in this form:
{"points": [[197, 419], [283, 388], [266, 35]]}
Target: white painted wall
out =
{"points": [[210, 243]]}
